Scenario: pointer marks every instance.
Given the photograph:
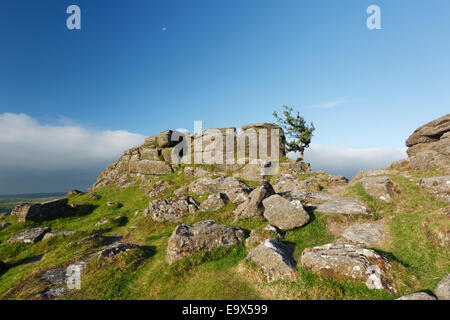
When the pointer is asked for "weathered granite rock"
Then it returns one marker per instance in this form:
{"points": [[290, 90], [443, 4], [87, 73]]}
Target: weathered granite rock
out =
{"points": [[42, 211], [235, 190], [430, 132], [295, 167], [253, 207], [417, 296], [49, 235], [254, 134], [200, 172], [366, 234], [429, 145], [150, 167], [164, 140], [443, 288], [275, 260], [371, 173], [284, 214], [55, 276], [170, 209], [54, 293], [212, 203], [116, 248], [344, 206], [30, 236], [378, 187], [74, 192], [307, 195], [202, 236], [287, 182], [112, 204], [437, 186], [349, 262]]}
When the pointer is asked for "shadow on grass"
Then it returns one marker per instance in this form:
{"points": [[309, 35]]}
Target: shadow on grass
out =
{"points": [[390, 256]]}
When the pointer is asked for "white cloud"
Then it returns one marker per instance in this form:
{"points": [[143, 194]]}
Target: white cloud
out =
{"points": [[30, 151], [348, 161], [330, 104]]}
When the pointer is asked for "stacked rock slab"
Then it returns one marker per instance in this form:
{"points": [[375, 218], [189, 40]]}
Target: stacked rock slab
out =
{"points": [[42, 211], [429, 145], [202, 236]]}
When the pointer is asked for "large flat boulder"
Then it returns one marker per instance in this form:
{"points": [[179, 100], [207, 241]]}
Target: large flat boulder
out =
{"points": [[202, 236], [378, 187], [308, 195], [370, 173], [30, 236], [366, 234], [349, 262], [275, 260], [344, 206], [284, 214], [437, 186], [42, 211], [253, 206], [443, 288], [430, 132]]}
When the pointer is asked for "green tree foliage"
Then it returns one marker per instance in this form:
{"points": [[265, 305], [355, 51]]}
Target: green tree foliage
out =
{"points": [[296, 128]]}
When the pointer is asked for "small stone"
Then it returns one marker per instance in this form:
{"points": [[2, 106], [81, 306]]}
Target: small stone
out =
{"points": [[285, 214], [417, 296]]}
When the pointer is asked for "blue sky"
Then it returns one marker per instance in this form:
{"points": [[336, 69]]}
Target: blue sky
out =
{"points": [[226, 63]]}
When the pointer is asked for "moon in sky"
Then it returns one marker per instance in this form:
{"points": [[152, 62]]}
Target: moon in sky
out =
{"points": [[163, 28]]}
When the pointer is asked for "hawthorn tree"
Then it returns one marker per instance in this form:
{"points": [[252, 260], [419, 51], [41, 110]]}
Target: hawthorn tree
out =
{"points": [[297, 129]]}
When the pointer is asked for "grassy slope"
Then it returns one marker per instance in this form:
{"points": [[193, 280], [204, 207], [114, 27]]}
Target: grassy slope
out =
{"points": [[223, 273]]}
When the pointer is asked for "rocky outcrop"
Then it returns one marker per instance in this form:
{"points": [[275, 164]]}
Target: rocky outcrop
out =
{"points": [[417, 296], [171, 209], [275, 260], [284, 214], [437, 186], [30, 236], [202, 236], [42, 211], [429, 145], [366, 234], [345, 206], [253, 207], [378, 187], [162, 154], [443, 288], [349, 262]]}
